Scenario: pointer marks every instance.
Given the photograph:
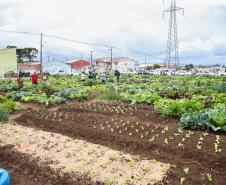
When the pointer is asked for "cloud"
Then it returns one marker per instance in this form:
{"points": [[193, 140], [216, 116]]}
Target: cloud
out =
{"points": [[220, 50], [127, 24]]}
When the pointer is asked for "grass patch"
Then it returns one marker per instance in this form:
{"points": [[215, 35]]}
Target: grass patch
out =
{"points": [[112, 96]]}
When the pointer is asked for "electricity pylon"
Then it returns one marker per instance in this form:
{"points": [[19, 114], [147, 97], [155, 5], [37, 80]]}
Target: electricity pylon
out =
{"points": [[172, 56]]}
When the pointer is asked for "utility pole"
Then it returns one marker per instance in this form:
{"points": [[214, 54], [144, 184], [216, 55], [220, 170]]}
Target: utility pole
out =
{"points": [[111, 50], [41, 45], [172, 55], [91, 58], [145, 61]]}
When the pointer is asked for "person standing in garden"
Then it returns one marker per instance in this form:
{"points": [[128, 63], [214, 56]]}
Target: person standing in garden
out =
{"points": [[45, 78], [34, 79], [104, 78], [20, 82], [83, 76], [117, 75], [94, 75]]}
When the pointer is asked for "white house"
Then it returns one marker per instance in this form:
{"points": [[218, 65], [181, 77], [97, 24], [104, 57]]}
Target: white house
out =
{"points": [[122, 64]]}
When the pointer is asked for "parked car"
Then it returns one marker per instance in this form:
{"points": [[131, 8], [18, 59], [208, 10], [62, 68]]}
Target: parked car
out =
{"points": [[221, 73], [24, 74], [184, 73], [204, 73], [155, 72], [11, 74], [130, 72], [143, 72], [61, 72]]}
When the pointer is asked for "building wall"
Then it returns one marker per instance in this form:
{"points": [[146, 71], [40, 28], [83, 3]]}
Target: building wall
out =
{"points": [[29, 67], [125, 66], [8, 61], [122, 64]]}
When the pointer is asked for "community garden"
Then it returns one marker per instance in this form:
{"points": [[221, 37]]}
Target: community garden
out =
{"points": [[143, 130]]}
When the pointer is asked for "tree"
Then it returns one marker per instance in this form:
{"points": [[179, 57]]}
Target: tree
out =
{"points": [[149, 68], [8, 47], [189, 67], [25, 54], [30, 54], [19, 54], [155, 66]]}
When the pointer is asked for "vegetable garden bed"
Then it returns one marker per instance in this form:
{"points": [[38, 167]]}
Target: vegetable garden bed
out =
{"points": [[198, 157], [128, 126]]}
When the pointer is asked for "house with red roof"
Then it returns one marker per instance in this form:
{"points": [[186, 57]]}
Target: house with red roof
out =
{"points": [[78, 66]]}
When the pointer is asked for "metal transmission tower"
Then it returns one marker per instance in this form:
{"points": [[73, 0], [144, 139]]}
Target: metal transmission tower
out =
{"points": [[172, 56]]}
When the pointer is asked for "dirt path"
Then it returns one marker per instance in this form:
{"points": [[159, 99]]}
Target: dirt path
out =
{"points": [[27, 170], [63, 155]]}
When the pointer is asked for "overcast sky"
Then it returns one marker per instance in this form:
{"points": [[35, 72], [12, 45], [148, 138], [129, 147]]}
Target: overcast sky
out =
{"points": [[131, 25]]}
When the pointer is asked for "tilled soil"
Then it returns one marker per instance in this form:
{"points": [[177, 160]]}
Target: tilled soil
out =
{"points": [[26, 170], [139, 130], [65, 155]]}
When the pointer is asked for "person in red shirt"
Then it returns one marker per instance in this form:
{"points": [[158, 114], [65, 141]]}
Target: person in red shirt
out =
{"points": [[34, 79]]}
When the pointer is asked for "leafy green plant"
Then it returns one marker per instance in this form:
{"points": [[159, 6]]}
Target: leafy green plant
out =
{"points": [[218, 117], [209, 176], [2, 99], [219, 87], [214, 119], [9, 105], [8, 85], [140, 97], [174, 93], [167, 107], [4, 114]]}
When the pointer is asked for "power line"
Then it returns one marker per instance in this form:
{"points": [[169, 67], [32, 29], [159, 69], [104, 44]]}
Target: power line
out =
{"points": [[194, 4], [105, 46], [195, 29], [200, 15], [76, 41], [215, 17], [19, 32], [81, 42], [144, 8]]}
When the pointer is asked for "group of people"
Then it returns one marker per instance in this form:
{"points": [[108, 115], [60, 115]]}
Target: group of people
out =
{"points": [[93, 75], [34, 79], [117, 74]]}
